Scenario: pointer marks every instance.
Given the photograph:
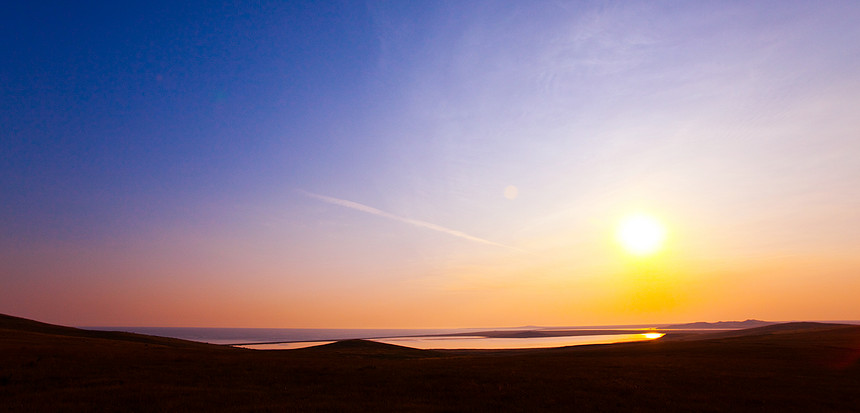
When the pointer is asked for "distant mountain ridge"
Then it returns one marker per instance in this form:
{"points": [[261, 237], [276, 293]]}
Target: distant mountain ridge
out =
{"points": [[723, 324]]}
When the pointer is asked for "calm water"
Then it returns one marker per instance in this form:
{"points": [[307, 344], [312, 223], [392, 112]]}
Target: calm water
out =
{"points": [[268, 335], [290, 338], [480, 342]]}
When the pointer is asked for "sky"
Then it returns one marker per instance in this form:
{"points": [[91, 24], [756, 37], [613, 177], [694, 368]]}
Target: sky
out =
{"points": [[428, 164]]}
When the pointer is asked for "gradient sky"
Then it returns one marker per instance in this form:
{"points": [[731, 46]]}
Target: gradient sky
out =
{"points": [[353, 164]]}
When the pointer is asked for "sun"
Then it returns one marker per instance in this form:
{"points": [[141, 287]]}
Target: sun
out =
{"points": [[641, 234]]}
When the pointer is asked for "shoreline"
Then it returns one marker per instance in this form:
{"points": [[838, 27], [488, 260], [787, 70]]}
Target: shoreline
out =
{"points": [[783, 367]]}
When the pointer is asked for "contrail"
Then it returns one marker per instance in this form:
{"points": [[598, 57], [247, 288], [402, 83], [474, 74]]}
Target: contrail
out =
{"points": [[371, 210]]}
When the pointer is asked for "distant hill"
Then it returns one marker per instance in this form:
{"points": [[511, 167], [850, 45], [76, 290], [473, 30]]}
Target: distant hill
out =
{"points": [[367, 348], [723, 324], [803, 327], [783, 332]]}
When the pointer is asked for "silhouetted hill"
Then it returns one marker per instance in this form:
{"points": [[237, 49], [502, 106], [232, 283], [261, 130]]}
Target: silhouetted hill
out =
{"points": [[367, 348], [807, 333], [785, 330], [721, 324], [784, 367], [793, 327], [13, 324]]}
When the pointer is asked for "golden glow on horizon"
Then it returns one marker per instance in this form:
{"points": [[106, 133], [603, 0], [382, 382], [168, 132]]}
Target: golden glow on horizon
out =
{"points": [[652, 336], [641, 234]]}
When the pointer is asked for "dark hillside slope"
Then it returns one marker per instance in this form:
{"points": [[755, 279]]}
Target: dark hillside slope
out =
{"points": [[790, 368], [11, 326]]}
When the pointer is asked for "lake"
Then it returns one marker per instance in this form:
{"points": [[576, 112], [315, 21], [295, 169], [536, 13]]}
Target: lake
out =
{"points": [[285, 338], [480, 342]]}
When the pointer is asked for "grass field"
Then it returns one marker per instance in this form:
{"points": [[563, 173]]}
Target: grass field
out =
{"points": [[784, 367]]}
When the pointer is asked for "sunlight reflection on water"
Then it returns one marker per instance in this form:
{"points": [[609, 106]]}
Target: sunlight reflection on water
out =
{"points": [[475, 342], [284, 346], [481, 342]]}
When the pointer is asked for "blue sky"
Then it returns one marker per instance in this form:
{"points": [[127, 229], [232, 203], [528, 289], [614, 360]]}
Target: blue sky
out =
{"points": [[112, 107], [321, 164]]}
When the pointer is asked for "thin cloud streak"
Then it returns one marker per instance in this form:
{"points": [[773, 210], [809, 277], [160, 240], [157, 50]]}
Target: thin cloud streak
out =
{"points": [[418, 223]]}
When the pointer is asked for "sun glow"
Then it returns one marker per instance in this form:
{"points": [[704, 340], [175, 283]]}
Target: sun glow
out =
{"points": [[641, 234], [652, 336]]}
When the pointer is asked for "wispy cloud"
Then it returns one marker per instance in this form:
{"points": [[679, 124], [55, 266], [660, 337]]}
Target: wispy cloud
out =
{"points": [[418, 223]]}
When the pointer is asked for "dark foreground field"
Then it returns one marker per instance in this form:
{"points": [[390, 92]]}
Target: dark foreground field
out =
{"points": [[787, 367]]}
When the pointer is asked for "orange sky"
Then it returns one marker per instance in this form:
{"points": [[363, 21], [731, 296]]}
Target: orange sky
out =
{"points": [[430, 165]]}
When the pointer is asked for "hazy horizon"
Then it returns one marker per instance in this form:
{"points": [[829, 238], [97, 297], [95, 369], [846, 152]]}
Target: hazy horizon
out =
{"points": [[482, 328], [429, 164]]}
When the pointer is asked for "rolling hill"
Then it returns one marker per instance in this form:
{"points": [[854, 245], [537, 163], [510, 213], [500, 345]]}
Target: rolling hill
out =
{"points": [[789, 367]]}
